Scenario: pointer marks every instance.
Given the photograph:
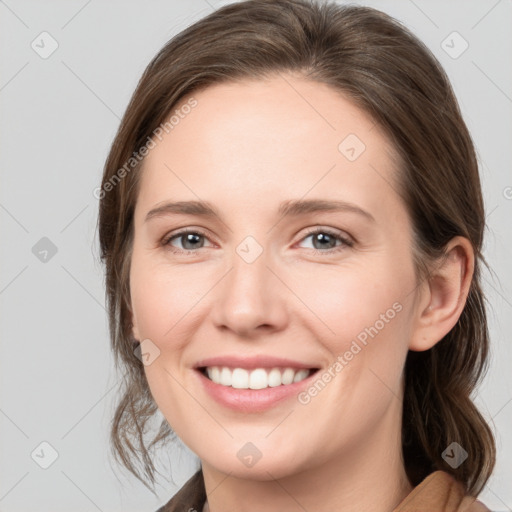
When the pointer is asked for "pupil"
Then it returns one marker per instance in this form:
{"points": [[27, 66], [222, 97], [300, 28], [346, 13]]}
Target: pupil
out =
{"points": [[189, 238], [322, 237]]}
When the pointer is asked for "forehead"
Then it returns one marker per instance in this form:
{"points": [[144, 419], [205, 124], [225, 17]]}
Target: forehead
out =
{"points": [[285, 135]]}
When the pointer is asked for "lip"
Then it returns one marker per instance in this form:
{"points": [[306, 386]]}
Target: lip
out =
{"points": [[252, 400], [250, 363]]}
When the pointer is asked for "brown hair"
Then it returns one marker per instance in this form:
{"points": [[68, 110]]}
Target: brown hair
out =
{"points": [[388, 73]]}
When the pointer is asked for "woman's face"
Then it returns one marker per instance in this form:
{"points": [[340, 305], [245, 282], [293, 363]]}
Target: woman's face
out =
{"points": [[253, 282]]}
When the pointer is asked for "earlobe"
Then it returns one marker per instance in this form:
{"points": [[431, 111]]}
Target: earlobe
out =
{"points": [[444, 295], [135, 329]]}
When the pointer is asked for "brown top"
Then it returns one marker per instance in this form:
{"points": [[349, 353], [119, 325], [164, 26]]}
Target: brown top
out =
{"points": [[438, 492]]}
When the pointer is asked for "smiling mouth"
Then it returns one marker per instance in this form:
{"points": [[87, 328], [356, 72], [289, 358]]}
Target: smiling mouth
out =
{"points": [[257, 378]]}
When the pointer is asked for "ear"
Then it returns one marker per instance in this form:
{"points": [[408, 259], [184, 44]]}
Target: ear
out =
{"points": [[135, 331], [443, 294], [135, 328]]}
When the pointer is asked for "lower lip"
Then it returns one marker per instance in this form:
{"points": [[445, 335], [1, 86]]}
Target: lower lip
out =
{"points": [[252, 400]]}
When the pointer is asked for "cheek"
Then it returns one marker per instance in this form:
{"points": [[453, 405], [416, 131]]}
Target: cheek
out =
{"points": [[365, 324], [163, 298], [354, 303]]}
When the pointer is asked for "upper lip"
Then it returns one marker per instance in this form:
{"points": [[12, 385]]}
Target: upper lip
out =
{"points": [[259, 361]]}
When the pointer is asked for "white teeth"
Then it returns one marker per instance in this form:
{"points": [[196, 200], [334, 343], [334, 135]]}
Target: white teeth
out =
{"points": [[215, 373], [259, 378], [287, 376], [240, 378], [225, 377], [274, 378]]}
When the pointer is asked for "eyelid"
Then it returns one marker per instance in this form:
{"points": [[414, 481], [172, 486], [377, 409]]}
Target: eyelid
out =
{"points": [[182, 232], [345, 238]]}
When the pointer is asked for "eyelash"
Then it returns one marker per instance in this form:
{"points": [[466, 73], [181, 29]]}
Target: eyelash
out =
{"points": [[346, 242]]}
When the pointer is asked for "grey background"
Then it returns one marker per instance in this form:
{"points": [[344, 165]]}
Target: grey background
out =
{"points": [[59, 116]]}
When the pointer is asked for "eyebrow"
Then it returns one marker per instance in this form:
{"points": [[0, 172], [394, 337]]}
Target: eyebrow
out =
{"points": [[291, 208]]}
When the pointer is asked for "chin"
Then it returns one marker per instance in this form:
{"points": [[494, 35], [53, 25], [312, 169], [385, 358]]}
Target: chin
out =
{"points": [[270, 466]]}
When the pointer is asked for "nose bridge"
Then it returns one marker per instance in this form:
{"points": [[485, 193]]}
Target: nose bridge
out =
{"points": [[250, 296]]}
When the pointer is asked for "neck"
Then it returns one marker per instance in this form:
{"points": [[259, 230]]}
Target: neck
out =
{"points": [[369, 478]]}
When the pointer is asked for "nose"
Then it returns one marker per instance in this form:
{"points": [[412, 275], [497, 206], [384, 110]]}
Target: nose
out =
{"points": [[251, 299]]}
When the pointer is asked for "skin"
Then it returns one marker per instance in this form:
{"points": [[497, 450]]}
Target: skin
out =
{"points": [[246, 147]]}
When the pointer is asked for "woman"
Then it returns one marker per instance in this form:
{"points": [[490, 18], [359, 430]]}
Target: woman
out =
{"points": [[304, 377]]}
